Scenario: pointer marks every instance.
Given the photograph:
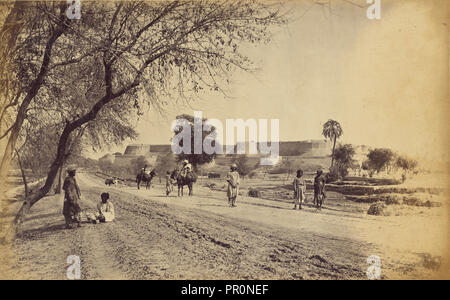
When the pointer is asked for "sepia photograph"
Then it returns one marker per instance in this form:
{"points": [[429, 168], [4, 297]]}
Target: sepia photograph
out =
{"points": [[223, 145]]}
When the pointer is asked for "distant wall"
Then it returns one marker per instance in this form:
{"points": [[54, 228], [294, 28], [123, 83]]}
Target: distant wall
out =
{"points": [[304, 149], [160, 148], [125, 160], [137, 149], [296, 148]]}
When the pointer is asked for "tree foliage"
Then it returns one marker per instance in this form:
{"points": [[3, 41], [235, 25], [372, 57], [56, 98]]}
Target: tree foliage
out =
{"points": [[164, 163], [121, 57], [332, 130], [344, 159], [379, 159], [195, 159], [405, 163], [244, 165]]}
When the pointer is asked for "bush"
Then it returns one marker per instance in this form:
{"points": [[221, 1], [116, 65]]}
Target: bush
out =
{"points": [[378, 209], [391, 199], [213, 175], [254, 193], [333, 175], [278, 170], [252, 174]]}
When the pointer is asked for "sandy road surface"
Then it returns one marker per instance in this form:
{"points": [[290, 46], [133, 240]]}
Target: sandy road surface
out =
{"points": [[200, 237]]}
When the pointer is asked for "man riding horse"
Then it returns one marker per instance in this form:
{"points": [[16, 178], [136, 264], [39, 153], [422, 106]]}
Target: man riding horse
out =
{"points": [[185, 176], [186, 168], [145, 176]]}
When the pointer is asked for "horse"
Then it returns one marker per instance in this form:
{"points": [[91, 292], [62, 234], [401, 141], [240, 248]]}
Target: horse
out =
{"points": [[189, 179], [145, 177]]}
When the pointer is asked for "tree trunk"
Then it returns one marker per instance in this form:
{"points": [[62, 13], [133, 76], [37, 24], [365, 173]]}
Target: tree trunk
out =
{"points": [[332, 153], [24, 178], [62, 146], [58, 186], [57, 163]]}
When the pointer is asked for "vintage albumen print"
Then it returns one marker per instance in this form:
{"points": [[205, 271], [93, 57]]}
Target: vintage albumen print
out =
{"points": [[213, 139]]}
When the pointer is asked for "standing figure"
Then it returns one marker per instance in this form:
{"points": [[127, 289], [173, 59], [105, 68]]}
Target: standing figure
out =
{"points": [[319, 189], [233, 185], [71, 208], [299, 189], [169, 184]]}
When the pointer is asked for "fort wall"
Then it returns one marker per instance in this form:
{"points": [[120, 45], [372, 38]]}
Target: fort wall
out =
{"points": [[304, 149]]}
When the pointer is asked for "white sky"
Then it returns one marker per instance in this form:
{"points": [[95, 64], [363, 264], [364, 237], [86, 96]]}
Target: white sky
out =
{"points": [[386, 81]]}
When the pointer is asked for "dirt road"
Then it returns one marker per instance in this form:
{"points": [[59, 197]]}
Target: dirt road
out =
{"points": [[200, 237]]}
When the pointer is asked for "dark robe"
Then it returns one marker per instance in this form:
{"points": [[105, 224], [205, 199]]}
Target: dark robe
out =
{"points": [[319, 185], [71, 197]]}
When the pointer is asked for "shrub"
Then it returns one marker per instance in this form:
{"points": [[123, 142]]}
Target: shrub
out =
{"points": [[252, 174], [278, 170], [254, 193], [333, 175], [378, 209]]}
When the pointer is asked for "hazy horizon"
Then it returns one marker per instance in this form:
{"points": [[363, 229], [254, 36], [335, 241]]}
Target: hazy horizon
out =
{"points": [[383, 80]]}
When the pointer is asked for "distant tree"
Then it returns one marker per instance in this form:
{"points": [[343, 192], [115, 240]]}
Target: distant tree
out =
{"points": [[344, 159], [244, 166], [195, 159], [366, 167], [121, 56], [138, 163], [165, 162], [289, 165], [379, 158], [332, 130], [106, 166], [405, 163]]}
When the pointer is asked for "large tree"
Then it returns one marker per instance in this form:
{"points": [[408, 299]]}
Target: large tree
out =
{"points": [[195, 158], [344, 159], [135, 53], [405, 163], [244, 165], [30, 31], [332, 130], [379, 158]]}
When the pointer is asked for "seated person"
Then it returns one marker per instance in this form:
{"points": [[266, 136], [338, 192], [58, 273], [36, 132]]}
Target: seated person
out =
{"points": [[105, 211]]}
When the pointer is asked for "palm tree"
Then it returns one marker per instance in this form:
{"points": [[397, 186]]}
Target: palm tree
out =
{"points": [[332, 130]]}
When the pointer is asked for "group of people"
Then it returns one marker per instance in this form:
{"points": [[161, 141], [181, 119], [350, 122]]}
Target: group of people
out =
{"points": [[71, 209], [105, 208], [232, 179], [299, 185]]}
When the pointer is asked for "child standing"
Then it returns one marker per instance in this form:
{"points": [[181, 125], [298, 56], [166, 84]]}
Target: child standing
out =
{"points": [[299, 189]]}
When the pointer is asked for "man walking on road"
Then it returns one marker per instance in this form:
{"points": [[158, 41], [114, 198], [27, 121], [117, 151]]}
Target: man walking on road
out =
{"points": [[233, 185]]}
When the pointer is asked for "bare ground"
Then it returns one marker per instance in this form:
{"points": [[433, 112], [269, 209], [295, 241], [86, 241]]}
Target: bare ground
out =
{"points": [[200, 237]]}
